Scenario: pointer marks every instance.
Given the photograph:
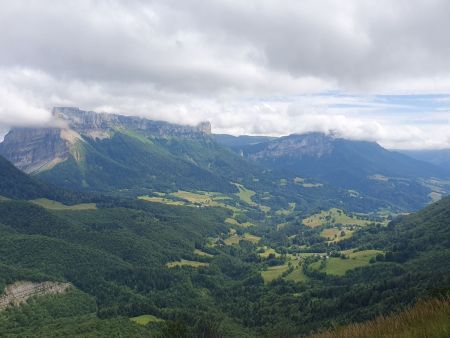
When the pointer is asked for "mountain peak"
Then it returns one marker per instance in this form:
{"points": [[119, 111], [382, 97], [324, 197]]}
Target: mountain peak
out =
{"points": [[91, 123], [40, 149]]}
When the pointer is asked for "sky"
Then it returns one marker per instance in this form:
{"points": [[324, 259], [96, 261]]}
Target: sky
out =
{"points": [[370, 70]]}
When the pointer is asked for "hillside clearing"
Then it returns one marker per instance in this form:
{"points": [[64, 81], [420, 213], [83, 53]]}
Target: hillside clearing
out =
{"points": [[334, 216], [335, 234], [185, 262], [162, 200], [202, 253], [339, 266], [245, 195], [54, 205], [145, 319], [274, 272]]}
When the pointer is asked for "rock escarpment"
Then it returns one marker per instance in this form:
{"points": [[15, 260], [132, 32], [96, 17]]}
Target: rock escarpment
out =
{"points": [[99, 125], [18, 293], [34, 150], [315, 145]]}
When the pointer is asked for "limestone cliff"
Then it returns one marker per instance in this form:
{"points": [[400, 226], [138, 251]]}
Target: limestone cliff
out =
{"points": [[311, 144], [18, 293], [37, 149]]}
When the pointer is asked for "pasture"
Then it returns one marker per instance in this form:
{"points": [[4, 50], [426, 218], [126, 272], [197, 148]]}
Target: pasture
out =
{"points": [[273, 272], [54, 205], [288, 211], [335, 234], [185, 262], [334, 216], [338, 266], [146, 319], [202, 253], [162, 200], [245, 195], [234, 238]]}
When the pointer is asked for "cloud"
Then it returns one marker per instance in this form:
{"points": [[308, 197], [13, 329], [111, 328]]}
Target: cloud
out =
{"points": [[256, 66]]}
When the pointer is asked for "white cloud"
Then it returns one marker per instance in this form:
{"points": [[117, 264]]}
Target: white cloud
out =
{"points": [[256, 66]]}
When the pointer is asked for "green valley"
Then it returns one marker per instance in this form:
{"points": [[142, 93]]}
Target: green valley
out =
{"points": [[162, 232]]}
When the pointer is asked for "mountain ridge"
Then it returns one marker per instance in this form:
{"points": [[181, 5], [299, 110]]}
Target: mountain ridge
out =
{"points": [[38, 149]]}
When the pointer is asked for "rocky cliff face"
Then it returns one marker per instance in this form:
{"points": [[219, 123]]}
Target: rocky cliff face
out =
{"points": [[31, 150], [18, 293], [294, 146], [37, 149], [95, 125]]}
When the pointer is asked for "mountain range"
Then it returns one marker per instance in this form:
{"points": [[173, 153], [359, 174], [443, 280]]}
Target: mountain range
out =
{"points": [[161, 230], [438, 157], [88, 151]]}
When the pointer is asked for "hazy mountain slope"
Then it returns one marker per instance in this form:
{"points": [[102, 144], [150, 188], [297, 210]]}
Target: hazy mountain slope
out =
{"points": [[316, 154], [238, 142], [16, 184], [439, 157], [358, 165], [126, 162], [104, 152]]}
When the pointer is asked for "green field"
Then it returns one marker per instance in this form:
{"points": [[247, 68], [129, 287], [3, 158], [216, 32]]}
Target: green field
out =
{"points": [[145, 319], [234, 238], [339, 266], [264, 208], [334, 234], [288, 211], [53, 205], [160, 200], [192, 197], [435, 196], [232, 221], [333, 216], [245, 195], [302, 181], [297, 275], [312, 185], [202, 253], [273, 272], [188, 198], [185, 262], [267, 252]]}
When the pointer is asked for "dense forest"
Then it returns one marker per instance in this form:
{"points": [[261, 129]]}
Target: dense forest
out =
{"points": [[119, 256]]}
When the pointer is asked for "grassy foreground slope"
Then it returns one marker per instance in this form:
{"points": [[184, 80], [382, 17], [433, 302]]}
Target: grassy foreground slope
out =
{"points": [[430, 318]]}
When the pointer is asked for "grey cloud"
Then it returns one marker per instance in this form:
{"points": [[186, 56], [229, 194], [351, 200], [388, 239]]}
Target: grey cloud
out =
{"points": [[226, 61]]}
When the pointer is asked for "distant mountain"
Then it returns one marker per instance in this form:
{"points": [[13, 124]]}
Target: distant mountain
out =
{"points": [[39, 149], [359, 165], [102, 152], [96, 152], [238, 142], [439, 157]]}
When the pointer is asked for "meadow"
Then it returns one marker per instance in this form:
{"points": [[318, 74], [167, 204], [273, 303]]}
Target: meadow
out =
{"points": [[146, 319], [54, 205], [339, 266], [333, 216], [185, 262]]}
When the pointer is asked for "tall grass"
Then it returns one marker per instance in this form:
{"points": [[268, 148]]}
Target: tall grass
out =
{"points": [[427, 319]]}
